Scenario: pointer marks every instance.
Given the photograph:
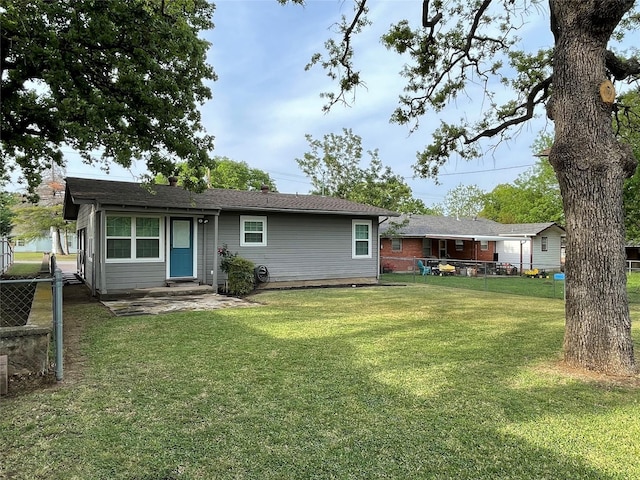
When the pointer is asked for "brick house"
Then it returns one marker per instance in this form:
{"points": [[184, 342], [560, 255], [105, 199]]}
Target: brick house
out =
{"points": [[509, 248]]}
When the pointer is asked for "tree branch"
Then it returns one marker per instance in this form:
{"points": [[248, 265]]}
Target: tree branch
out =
{"points": [[621, 68], [529, 105]]}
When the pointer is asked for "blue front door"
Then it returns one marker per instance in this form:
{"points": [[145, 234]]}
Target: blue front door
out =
{"points": [[181, 248]]}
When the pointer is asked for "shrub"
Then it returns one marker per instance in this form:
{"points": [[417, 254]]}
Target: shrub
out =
{"points": [[241, 276], [226, 257]]}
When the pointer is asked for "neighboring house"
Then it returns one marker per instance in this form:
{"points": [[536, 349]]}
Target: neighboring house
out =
{"points": [[435, 239], [45, 243], [132, 236]]}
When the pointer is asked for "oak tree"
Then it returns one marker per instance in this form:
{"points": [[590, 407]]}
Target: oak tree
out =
{"points": [[454, 45], [117, 81]]}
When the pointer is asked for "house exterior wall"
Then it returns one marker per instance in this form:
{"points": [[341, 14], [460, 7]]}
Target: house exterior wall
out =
{"points": [[303, 248], [532, 254], [84, 221], [551, 259], [413, 248], [44, 244], [300, 248]]}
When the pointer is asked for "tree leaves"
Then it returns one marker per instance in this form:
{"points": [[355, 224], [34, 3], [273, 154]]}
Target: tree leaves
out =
{"points": [[117, 81]]}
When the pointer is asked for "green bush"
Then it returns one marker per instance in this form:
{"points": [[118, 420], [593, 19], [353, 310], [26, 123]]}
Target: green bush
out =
{"points": [[241, 276]]}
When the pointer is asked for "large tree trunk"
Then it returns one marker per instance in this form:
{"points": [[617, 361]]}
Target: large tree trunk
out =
{"points": [[591, 166]]}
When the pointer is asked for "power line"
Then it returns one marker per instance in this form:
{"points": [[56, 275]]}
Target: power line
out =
{"points": [[486, 171]]}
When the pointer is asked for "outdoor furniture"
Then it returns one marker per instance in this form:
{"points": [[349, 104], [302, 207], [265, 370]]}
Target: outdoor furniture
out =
{"points": [[423, 269]]}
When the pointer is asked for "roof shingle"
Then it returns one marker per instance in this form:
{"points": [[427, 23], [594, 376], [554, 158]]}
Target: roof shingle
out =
{"points": [[128, 194]]}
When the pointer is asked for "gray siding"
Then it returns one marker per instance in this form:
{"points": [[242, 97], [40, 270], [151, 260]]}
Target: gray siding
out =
{"points": [[549, 260], [300, 247], [304, 247], [127, 276], [83, 221], [509, 251]]}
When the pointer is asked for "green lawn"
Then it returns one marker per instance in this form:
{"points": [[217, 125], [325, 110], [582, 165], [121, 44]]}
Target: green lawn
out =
{"points": [[415, 382], [37, 257], [517, 285]]}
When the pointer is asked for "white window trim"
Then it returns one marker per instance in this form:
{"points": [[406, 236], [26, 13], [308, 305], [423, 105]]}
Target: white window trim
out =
{"points": [[354, 223], [133, 238], [484, 245], [399, 240], [250, 218]]}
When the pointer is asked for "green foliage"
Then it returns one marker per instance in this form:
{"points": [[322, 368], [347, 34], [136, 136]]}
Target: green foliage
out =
{"points": [[7, 202], [464, 201], [461, 41], [241, 276], [333, 165], [222, 172], [629, 128], [33, 220], [123, 78], [227, 173], [225, 258], [533, 197]]}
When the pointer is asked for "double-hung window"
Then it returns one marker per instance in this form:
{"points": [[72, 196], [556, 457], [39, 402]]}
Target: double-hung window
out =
{"points": [[361, 247], [253, 231], [134, 238], [396, 244], [544, 244]]}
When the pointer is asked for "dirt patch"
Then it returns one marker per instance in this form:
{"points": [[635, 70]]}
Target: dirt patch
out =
{"points": [[602, 380]]}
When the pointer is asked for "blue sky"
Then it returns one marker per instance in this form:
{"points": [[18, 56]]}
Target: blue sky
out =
{"points": [[264, 101]]}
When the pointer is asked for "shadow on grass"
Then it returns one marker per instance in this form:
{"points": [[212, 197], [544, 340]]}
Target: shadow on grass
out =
{"points": [[260, 393]]}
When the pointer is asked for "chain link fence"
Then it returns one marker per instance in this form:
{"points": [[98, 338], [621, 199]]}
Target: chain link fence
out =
{"points": [[29, 304], [543, 281], [546, 281], [16, 297]]}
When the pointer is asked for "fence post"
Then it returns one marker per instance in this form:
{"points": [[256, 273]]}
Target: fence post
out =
{"points": [[57, 320]]}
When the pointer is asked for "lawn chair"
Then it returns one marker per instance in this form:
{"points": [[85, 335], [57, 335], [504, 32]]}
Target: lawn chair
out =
{"points": [[423, 270]]}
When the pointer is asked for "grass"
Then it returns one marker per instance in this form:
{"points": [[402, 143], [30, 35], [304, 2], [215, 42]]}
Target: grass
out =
{"points": [[517, 285], [37, 257], [415, 382], [23, 270]]}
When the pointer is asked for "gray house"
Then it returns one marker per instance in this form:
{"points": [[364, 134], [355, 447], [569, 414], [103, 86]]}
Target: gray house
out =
{"points": [[133, 236]]}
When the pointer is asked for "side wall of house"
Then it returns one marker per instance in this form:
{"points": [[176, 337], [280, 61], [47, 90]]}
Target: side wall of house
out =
{"points": [[305, 248], [84, 222], [551, 258], [532, 254]]}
